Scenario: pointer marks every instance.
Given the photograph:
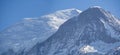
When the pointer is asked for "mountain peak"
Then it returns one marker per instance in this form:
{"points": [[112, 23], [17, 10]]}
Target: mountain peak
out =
{"points": [[96, 7], [95, 12], [70, 10], [86, 34]]}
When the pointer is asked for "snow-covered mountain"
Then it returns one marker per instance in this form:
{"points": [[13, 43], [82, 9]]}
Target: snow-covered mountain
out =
{"points": [[26, 33], [93, 32]]}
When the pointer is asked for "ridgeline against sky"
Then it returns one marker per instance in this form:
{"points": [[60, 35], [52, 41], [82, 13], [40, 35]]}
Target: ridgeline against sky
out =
{"points": [[11, 11]]}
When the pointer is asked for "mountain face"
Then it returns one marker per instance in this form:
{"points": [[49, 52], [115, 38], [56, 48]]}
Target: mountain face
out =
{"points": [[93, 32], [115, 51], [26, 33]]}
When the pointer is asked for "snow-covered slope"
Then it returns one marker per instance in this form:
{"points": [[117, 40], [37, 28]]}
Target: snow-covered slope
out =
{"points": [[115, 51], [93, 32], [29, 31]]}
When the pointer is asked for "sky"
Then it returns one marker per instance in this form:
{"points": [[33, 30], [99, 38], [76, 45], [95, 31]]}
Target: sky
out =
{"points": [[12, 11]]}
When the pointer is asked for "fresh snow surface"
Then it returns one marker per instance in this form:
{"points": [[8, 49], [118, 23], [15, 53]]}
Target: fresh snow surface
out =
{"points": [[61, 16], [95, 7], [102, 47], [88, 49]]}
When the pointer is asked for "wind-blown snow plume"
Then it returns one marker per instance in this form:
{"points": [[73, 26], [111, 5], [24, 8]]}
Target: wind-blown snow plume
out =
{"points": [[29, 31]]}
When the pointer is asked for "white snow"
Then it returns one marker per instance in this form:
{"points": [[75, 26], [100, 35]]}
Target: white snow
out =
{"points": [[103, 47], [56, 22], [60, 17], [110, 30], [95, 7], [32, 30], [118, 48], [88, 49]]}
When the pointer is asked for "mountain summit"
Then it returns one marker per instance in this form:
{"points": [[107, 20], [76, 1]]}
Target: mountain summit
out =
{"points": [[96, 13], [89, 33]]}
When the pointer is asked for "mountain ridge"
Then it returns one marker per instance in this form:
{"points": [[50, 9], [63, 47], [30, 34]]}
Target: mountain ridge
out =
{"points": [[29, 31], [80, 36], [89, 33]]}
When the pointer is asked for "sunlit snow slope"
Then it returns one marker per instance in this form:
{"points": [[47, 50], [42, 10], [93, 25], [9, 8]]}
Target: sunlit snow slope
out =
{"points": [[29, 31]]}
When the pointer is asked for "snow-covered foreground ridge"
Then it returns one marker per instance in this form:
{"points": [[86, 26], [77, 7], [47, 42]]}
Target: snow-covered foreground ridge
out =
{"points": [[95, 31], [26, 33]]}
